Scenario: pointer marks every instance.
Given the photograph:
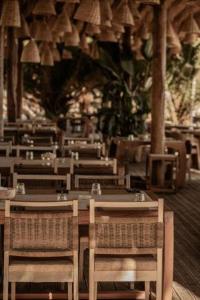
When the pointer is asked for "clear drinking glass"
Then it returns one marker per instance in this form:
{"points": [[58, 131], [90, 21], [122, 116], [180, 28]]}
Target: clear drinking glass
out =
{"points": [[20, 188], [96, 189]]}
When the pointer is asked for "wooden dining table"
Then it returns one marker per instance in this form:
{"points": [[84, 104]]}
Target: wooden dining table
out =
{"points": [[83, 217]]}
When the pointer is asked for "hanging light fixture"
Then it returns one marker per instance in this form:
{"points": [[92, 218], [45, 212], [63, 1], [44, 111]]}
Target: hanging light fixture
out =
{"points": [[153, 2], [43, 32], [46, 55], [89, 11], [30, 53], [63, 23], [44, 7], [23, 32], [10, 14], [122, 14], [72, 38]]}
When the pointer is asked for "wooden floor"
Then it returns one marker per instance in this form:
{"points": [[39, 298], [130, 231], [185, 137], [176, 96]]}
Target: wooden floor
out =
{"points": [[186, 206]]}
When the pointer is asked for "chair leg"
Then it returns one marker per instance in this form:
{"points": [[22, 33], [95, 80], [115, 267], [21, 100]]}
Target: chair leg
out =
{"points": [[69, 290], [76, 285], [83, 246], [13, 290], [147, 290], [91, 275], [5, 277], [159, 287], [95, 290]]}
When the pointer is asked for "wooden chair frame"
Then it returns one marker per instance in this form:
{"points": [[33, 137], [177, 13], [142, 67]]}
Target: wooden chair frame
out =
{"points": [[65, 178], [120, 178], [9, 252], [93, 162], [96, 276]]}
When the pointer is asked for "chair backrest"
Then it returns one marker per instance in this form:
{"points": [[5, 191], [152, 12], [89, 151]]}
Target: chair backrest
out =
{"points": [[35, 230], [126, 227], [38, 178]]}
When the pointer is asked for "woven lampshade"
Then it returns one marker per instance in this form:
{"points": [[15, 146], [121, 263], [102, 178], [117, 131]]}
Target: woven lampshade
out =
{"points": [[173, 40], [33, 27], [107, 35], [134, 10], [72, 38], [84, 43], [190, 26], [92, 29], [46, 55], [23, 32], [106, 12], [138, 55], [63, 23], [66, 54], [190, 38], [89, 11], [122, 14], [137, 43], [149, 1], [10, 14], [118, 28], [44, 7], [94, 51], [56, 53], [30, 53], [43, 32], [145, 31], [72, 1], [56, 38]]}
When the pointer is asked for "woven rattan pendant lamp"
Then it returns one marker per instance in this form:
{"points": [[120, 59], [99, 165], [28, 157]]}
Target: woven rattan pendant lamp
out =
{"points": [[89, 11], [173, 40], [107, 35], [44, 7], [30, 53], [72, 38], [63, 23], [23, 32], [10, 14], [122, 14], [190, 26], [72, 1], [92, 29], [153, 2], [56, 53], [43, 32], [46, 55], [106, 12]]}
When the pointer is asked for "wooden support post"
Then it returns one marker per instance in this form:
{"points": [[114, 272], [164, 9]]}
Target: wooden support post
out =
{"points": [[11, 74], [19, 88], [1, 79], [158, 87]]}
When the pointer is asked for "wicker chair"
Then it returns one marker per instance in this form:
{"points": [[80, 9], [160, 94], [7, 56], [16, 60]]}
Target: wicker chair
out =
{"points": [[41, 244], [126, 248]]}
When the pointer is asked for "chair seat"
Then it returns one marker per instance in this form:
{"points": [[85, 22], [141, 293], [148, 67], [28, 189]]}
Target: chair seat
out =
{"points": [[147, 263], [41, 270]]}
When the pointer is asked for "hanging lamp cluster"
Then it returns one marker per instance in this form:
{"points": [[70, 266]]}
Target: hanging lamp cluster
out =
{"points": [[82, 23]]}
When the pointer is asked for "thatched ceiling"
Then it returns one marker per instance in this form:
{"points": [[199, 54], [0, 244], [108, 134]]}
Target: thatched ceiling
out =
{"points": [[83, 22]]}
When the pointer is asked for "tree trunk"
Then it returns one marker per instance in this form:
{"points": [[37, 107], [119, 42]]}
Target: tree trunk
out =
{"points": [[1, 79], [11, 75]]}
